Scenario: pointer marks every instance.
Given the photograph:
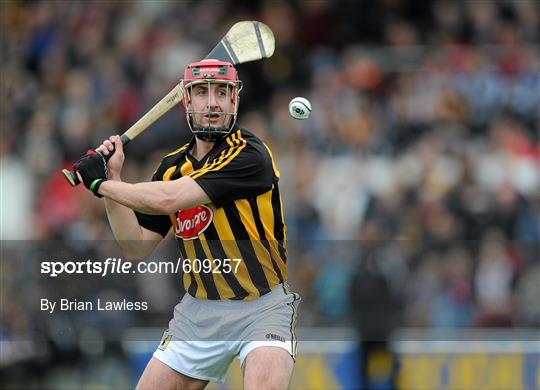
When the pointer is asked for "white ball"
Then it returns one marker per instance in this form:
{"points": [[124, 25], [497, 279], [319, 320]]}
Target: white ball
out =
{"points": [[300, 108]]}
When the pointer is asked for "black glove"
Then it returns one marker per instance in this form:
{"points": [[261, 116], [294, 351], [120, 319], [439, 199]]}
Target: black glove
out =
{"points": [[93, 169]]}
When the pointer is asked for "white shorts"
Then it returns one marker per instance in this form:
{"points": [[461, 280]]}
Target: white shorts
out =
{"points": [[205, 336]]}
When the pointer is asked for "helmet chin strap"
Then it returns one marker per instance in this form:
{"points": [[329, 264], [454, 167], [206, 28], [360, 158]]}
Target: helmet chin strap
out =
{"points": [[209, 133]]}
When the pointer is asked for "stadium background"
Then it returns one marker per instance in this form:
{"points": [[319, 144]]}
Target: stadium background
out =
{"points": [[411, 194]]}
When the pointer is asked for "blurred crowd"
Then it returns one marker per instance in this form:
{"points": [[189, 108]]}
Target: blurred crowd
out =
{"points": [[416, 178]]}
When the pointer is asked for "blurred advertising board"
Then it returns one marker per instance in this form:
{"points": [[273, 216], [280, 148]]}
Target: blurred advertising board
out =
{"points": [[329, 358], [468, 359]]}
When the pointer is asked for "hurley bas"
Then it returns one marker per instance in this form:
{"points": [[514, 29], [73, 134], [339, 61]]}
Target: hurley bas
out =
{"points": [[100, 305]]}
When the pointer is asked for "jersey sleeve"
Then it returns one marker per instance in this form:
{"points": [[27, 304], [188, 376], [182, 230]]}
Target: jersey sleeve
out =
{"points": [[157, 223], [242, 171]]}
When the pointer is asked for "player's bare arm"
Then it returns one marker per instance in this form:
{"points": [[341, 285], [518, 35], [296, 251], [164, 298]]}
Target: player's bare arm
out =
{"points": [[156, 198], [103, 178], [135, 241]]}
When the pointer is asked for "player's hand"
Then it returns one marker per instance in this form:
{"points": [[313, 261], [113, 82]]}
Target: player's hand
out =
{"points": [[92, 170], [114, 148]]}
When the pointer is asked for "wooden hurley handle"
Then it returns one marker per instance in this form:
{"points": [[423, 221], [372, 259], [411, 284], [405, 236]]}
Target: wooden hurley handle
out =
{"points": [[245, 41], [175, 96]]}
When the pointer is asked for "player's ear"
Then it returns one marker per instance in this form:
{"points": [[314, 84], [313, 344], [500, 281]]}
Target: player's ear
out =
{"points": [[187, 98]]}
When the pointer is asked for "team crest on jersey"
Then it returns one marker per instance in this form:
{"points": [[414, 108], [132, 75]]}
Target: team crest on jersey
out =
{"points": [[190, 223]]}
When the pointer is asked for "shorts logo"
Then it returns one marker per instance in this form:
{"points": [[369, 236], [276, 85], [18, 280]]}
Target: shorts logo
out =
{"points": [[190, 223], [271, 336], [165, 342]]}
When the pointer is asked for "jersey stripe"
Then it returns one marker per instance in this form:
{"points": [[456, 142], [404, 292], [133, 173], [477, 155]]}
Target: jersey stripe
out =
{"points": [[206, 277], [223, 155], [177, 150], [279, 226], [276, 171], [230, 247], [250, 223], [180, 149], [262, 238], [218, 160], [190, 284], [235, 290], [223, 288], [264, 205], [234, 151], [191, 255], [254, 267], [186, 168], [168, 173], [236, 145]]}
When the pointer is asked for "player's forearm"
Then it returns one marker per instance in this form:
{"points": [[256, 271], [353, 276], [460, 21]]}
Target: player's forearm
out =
{"points": [[157, 197], [149, 198]]}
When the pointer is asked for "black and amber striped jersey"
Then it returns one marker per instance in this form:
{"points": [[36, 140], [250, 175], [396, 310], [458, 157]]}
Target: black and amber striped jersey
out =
{"points": [[243, 223]]}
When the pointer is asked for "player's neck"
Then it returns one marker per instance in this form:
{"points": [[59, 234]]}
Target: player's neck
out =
{"points": [[201, 148]]}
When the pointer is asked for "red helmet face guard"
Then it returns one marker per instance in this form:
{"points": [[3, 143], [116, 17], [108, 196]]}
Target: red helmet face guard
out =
{"points": [[211, 122]]}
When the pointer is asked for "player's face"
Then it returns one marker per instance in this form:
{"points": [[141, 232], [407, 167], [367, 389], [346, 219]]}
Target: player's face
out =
{"points": [[212, 104]]}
